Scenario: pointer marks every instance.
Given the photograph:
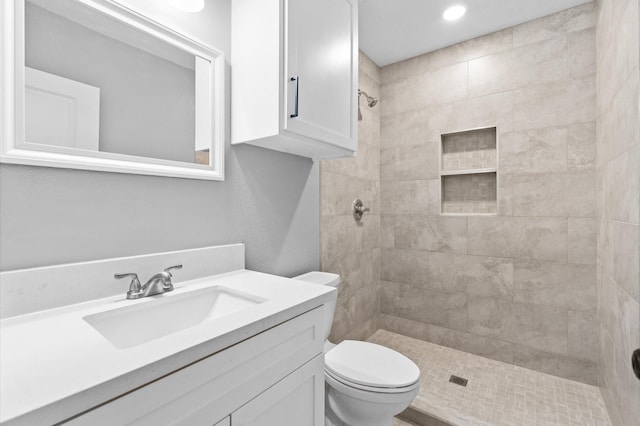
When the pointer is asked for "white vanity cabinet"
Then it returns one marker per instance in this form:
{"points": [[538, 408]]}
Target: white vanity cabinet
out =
{"points": [[294, 76], [273, 378], [292, 401]]}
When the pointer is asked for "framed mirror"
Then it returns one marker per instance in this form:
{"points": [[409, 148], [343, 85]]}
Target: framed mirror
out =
{"points": [[93, 85]]}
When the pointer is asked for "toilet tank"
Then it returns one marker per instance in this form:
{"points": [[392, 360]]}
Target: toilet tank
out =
{"points": [[328, 279]]}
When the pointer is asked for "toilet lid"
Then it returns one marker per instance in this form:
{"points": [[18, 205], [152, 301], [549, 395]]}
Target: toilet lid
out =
{"points": [[371, 365]]}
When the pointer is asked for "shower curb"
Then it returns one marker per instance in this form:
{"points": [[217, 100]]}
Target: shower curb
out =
{"points": [[420, 418]]}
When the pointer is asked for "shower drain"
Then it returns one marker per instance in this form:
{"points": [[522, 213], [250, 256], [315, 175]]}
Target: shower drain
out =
{"points": [[458, 380]]}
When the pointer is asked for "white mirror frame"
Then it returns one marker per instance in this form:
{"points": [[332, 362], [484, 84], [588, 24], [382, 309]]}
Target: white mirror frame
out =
{"points": [[15, 150]]}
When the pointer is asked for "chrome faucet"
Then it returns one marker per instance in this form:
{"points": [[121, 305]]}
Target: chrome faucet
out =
{"points": [[157, 284]]}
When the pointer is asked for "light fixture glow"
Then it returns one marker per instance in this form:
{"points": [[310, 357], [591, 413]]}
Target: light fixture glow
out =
{"points": [[189, 6], [454, 12]]}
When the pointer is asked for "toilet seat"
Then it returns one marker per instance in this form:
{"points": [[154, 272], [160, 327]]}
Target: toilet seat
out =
{"points": [[330, 377], [370, 367]]}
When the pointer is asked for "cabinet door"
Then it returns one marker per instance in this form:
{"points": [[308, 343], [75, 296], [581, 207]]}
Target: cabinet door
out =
{"points": [[298, 399], [321, 70]]}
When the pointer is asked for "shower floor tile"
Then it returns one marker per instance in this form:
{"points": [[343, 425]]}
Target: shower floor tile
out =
{"points": [[497, 393]]}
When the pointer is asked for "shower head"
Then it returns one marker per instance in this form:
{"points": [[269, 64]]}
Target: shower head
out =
{"points": [[371, 101]]}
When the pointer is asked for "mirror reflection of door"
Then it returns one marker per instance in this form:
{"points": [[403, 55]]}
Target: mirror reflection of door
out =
{"points": [[60, 111]]}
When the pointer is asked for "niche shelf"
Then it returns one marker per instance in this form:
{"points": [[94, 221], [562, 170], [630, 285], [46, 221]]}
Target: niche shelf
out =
{"points": [[468, 172]]}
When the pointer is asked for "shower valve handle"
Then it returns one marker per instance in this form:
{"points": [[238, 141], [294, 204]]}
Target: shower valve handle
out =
{"points": [[359, 209]]}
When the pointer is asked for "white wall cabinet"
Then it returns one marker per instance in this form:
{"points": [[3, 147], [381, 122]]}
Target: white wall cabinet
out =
{"points": [[268, 379], [294, 76]]}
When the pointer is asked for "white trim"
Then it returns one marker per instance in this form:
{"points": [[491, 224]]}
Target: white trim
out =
{"points": [[14, 149]]}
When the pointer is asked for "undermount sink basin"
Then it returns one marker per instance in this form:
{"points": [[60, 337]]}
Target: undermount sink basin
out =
{"points": [[169, 313]]}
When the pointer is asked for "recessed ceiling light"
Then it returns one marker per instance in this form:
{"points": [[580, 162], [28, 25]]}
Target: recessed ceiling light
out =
{"points": [[454, 12], [189, 6]]}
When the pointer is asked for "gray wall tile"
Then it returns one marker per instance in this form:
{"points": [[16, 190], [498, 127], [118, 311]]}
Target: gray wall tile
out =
{"points": [[555, 104], [626, 255], [405, 266], [582, 53], [432, 233], [558, 194], [439, 86], [414, 127], [537, 326], [387, 231], [622, 180], [417, 162], [583, 335], [520, 238], [581, 147], [566, 286], [620, 130], [405, 197], [400, 70], [387, 164], [582, 240], [430, 306], [471, 49], [483, 111], [534, 151], [559, 365], [575, 19], [474, 275], [518, 67]]}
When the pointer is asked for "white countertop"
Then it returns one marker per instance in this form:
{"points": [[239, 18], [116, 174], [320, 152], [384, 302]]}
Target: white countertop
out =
{"points": [[54, 365]]}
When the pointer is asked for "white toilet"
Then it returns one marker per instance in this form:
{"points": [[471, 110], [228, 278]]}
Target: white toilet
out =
{"points": [[365, 384]]}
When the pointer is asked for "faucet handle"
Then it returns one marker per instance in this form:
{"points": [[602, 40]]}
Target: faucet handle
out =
{"points": [[135, 287], [172, 267]]}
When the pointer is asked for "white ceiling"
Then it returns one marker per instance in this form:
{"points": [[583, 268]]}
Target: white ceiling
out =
{"points": [[394, 30]]}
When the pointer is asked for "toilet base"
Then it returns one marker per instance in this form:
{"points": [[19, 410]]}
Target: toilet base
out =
{"points": [[331, 419], [347, 406]]}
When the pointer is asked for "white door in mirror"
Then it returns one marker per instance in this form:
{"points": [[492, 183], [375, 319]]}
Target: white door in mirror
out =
{"points": [[60, 111]]}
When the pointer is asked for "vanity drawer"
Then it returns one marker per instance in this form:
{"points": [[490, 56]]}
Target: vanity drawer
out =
{"points": [[207, 391]]}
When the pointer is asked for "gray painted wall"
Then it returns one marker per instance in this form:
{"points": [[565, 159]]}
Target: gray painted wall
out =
{"points": [[269, 200]]}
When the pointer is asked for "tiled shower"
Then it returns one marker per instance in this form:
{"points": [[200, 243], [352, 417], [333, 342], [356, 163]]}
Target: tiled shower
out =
{"points": [[531, 259]]}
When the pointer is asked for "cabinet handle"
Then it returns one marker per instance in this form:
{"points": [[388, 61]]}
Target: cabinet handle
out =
{"points": [[295, 100]]}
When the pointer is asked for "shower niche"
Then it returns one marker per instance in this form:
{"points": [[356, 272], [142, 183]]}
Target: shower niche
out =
{"points": [[468, 172]]}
